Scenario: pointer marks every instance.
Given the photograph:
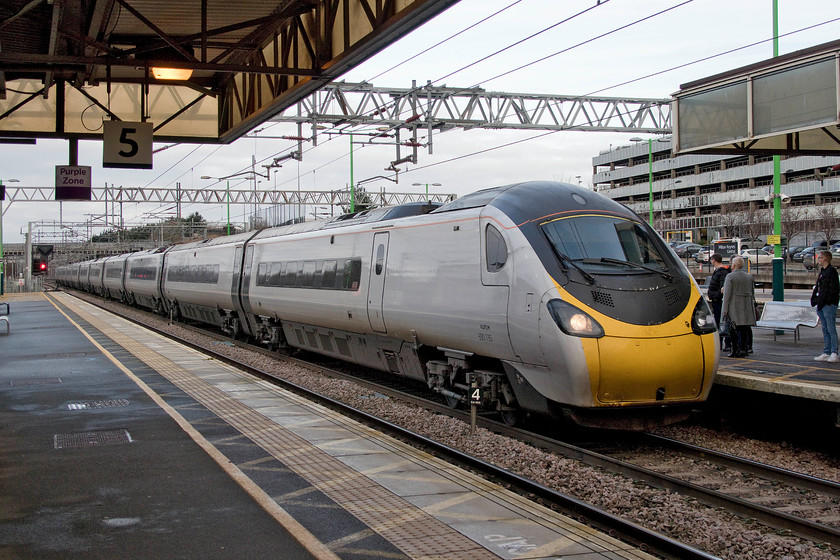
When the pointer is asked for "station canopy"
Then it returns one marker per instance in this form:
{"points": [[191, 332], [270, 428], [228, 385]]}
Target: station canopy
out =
{"points": [[68, 65], [784, 105]]}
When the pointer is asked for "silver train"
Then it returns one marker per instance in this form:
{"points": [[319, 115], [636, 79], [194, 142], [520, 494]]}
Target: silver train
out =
{"points": [[533, 298]]}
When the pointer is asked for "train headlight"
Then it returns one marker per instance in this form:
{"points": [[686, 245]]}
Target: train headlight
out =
{"points": [[702, 321], [573, 321]]}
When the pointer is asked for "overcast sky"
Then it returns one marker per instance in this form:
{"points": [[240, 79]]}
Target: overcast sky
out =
{"points": [[688, 33]]}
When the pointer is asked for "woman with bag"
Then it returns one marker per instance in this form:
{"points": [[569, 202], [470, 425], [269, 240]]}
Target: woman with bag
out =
{"points": [[739, 307]]}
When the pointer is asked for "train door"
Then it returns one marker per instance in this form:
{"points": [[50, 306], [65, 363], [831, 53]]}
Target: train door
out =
{"points": [[244, 291], [235, 287], [496, 279], [376, 287]]}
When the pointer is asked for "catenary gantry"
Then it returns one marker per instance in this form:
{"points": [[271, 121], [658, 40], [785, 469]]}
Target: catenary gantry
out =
{"points": [[440, 108], [114, 194]]}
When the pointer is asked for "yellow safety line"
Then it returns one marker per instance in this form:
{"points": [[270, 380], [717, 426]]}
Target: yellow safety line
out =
{"points": [[298, 531]]}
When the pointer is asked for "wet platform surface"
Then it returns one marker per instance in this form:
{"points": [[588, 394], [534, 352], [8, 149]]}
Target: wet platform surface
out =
{"points": [[784, 366], [118, 443]]}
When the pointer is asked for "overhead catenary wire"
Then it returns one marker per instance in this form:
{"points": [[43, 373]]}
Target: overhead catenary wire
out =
{"points": [[471, 26], [541, 59], [666, 70], [439, 43]]}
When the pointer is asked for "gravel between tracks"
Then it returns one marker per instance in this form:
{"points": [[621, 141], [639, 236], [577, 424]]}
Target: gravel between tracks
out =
{"points": [[715, 532]]}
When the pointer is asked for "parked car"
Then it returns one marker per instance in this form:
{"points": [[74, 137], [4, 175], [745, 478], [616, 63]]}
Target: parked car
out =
{"points": [[757, 256], [810, 260], [688, 250], [703, 255], [800, 256], [791, 251]]}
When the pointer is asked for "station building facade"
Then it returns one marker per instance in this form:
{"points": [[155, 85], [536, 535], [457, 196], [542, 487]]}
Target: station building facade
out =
{"points": [[705, 197]]}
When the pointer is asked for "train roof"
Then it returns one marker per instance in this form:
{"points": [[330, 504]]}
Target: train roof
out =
{"points": [[380, 214], [531, 200]]}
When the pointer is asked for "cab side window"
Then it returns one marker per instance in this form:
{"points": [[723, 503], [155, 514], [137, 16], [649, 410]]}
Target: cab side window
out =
{"points": [[496, 249]]}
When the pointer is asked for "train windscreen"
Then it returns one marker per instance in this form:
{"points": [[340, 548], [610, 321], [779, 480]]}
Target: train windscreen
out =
{"points": [[606, 244]]}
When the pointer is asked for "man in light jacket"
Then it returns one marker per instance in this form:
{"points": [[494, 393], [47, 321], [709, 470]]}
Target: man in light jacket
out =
{"points": [[739, 306]]}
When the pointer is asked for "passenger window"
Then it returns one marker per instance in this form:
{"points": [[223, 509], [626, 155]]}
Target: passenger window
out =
{"points": [[276, 277], [380, 259], [291, 274], [496, 249], [308, 280], [328, 278], [352, 274]]}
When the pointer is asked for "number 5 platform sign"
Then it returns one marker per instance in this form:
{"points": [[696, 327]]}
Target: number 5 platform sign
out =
{"points": [[127, 144], [72, 182]]}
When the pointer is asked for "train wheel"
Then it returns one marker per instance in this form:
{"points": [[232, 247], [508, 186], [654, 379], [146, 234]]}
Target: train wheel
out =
{"points": [[511, 417]]}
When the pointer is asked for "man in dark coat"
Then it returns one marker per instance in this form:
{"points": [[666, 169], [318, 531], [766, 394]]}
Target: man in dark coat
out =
{"points": [[716, 295], [825, 297]]}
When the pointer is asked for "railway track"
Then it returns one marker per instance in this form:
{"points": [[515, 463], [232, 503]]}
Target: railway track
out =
{"points": [[786, 500], [789, 502]]}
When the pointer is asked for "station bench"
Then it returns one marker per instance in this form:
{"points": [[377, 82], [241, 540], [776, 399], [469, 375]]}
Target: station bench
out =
{"points": [[787, 316]]}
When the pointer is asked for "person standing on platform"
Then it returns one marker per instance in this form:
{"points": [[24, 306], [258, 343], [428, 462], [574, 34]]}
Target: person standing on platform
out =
{"points": [[739, 305], [825, 297], [716, 295]]}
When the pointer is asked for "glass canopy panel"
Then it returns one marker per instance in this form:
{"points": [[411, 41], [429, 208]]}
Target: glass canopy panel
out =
{"points": [[713, 117], [795, 98]]}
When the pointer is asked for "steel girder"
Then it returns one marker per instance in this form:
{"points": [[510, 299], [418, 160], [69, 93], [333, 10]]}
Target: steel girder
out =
{"points": [[439, 108]]}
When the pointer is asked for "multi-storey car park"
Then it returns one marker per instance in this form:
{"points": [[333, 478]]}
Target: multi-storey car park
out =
{"points": [[703, 197]]}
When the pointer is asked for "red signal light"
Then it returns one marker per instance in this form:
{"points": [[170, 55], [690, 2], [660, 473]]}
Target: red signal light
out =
{"points": [[43, 266]]}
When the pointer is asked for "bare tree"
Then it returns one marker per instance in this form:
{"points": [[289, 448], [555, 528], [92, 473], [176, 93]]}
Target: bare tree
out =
{"points": [[826, 221], [731, 218], [755, 221], [791, 221]]}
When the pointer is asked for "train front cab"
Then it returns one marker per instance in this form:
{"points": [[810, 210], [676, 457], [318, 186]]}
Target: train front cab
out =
{"points": [[624, 333]]}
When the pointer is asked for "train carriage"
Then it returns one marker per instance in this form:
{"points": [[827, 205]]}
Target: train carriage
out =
{"points": [[202, 280], [142, 278], [113, 277], [556, 298]]}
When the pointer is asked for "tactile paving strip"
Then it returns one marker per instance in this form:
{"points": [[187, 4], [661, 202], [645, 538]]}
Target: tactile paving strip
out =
{"points": [[408, 528]]}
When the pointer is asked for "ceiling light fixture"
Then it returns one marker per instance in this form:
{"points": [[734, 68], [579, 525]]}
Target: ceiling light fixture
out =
{"points": [[171, 73]]}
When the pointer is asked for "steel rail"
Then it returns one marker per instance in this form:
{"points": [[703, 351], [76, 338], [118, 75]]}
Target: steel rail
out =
{"points": [[768, 472]]}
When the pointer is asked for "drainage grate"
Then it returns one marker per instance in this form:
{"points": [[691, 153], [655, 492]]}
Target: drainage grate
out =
{"points": [[91, 439], [97, 404], [34, 381]]}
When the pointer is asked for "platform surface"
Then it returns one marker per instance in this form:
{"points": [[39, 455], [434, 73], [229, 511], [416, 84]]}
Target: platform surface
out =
{"points": [[120, 443], [784, 366]]}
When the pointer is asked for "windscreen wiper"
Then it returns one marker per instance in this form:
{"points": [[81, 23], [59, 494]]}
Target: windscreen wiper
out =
{"points": [[568, 259], [662, 273]]}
